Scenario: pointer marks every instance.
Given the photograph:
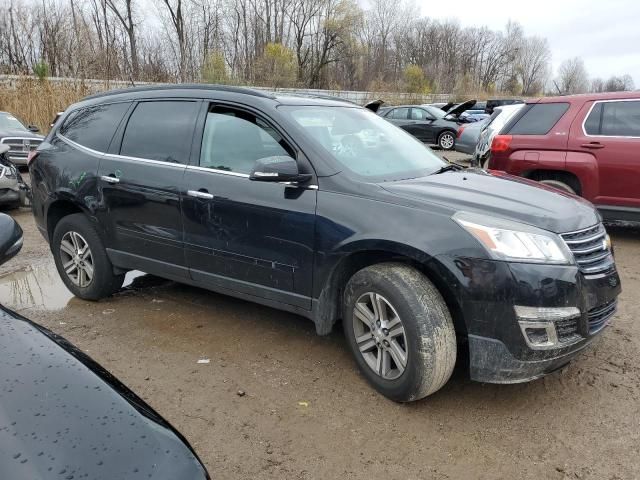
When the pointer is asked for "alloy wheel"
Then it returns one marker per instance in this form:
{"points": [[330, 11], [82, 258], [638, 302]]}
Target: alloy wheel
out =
{"points": [[380, 335], [76, 259], [446, 141]]}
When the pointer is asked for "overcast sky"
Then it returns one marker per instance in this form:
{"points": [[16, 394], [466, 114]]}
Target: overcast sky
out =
{"points": [[605, 33]]}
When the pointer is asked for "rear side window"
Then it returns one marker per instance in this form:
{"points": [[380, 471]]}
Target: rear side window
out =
{"points": [[539, 119], [160, 131], [399, 113], [93, 127], [593, 123], [621, 119]]}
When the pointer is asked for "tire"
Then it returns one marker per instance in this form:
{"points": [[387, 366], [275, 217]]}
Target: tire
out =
{"points": [[447, 140], [76, 230], [428, 337], [485, 163], [558, 185]]}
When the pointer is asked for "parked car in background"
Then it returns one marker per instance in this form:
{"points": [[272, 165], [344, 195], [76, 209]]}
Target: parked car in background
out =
{"points": [[468, 136], [583, 144], [428, 124], [20, 139], [326, 210], [64, 416], [10, 190], [473, 115], [496, 122], [490, 105]]}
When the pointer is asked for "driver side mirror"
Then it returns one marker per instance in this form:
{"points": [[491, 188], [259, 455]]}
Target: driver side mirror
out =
{"points": [[33, 128], [278, 169], [10, 238]]}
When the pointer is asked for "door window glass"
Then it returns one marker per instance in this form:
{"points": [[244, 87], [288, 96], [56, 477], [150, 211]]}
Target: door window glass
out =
{"points": [[399, 113], [592, 125], [621, 119], [160, 131], [94, 127], [419, 114], [234, 139]]}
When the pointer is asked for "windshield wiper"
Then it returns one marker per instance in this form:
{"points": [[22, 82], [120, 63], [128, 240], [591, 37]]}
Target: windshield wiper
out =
{"points": [[448, 168]]}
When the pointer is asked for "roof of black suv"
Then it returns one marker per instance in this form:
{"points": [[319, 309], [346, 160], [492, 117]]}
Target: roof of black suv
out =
{"points": [[285, 99]]}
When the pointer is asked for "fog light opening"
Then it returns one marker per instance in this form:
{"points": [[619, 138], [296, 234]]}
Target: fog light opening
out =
{"points": [[538, 325]]}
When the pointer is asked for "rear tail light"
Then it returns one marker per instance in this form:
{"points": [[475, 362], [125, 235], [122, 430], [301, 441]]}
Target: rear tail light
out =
{"points": [[460, 130], [500, 143], [31, 156]]}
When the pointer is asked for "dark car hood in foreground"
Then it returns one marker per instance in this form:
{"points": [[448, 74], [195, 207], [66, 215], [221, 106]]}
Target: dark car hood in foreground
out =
{"points": [[63, 416], [19, 133], [501, 195]]}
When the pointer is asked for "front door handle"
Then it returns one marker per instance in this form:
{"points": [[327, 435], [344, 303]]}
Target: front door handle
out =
{"points": [[593, 145], [109, 179], [200, 194]]}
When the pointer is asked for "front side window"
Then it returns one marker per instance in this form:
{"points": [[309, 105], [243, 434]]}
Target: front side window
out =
{"points": [[621, 119], [160, 130], [364, 143], [234, 139], [539, 119], [419, 114], [94, 126]]}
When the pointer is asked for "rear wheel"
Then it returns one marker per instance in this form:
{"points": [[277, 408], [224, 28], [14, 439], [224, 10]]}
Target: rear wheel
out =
{"points": [[399, 330], [446, 140], [81, 259]]}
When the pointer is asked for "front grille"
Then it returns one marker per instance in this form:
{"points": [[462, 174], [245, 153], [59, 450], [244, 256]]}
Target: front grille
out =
{"points": [[19, 147], [598, 316], [590, 249]]}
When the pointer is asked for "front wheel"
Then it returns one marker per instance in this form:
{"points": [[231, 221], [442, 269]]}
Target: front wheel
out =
{"points": [[446, 140], [81, 259], [399, 330]]}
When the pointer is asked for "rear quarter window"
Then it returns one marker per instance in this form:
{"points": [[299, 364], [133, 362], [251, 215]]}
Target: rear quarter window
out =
{"points": [[538, 119], [94, 126]]}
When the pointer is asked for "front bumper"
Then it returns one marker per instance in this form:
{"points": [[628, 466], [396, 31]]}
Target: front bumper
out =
{"points": [[487, 292]]}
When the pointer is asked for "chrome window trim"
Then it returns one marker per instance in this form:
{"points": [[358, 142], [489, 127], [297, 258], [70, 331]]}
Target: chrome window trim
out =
{"points": [[215, 170], [91, 151], [584, 130]]}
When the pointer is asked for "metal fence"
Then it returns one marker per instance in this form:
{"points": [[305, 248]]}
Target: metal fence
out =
{"points": [[358, 97]]}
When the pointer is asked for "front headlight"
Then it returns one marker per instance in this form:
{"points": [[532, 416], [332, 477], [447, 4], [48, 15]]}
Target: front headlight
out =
{"points": [[513, 241]]}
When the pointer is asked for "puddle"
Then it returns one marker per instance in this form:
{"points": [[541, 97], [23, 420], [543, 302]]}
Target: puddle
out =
{"points": [[40, 288]]}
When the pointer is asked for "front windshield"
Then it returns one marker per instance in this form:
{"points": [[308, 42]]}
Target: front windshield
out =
{"points": [[365, 143], [9, 122], [435, 111]]}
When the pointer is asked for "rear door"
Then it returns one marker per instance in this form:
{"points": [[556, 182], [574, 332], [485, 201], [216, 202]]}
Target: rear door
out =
{"points": [[256, 238], [139, 187], [610, 131]]}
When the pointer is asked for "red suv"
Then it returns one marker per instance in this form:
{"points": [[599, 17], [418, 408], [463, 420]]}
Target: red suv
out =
{"points": [[584, 144]]}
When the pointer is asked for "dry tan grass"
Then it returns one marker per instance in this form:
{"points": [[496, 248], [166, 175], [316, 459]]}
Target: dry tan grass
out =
{"points": [[37, 102]]}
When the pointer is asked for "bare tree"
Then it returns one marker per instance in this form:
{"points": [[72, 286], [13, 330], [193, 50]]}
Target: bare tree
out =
{"points": [[572, 76], [123, 10], [533, 65]]}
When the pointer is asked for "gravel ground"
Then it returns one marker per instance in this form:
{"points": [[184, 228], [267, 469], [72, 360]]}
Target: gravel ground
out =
{"points": [[308, 414]]}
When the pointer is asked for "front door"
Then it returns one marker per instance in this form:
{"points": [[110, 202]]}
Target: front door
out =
{"points": [[420, 125], [139, 187], [252, 237], [611, 133]]}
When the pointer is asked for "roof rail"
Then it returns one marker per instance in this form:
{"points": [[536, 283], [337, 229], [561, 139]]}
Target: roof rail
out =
{"points": [[182, 86]]}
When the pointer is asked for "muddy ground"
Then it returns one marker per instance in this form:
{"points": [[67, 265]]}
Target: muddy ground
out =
{"points": [[308, 414]]}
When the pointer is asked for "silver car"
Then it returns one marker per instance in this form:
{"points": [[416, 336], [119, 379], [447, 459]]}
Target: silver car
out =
{"points": [[10, 190], [468, 136], [499, 118]]}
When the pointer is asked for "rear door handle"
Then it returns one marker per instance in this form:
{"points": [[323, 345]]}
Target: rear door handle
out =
{"points": [[592, 145], [109, 179], [200, 194]]}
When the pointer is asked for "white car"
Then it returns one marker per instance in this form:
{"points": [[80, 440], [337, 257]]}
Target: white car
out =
{"points": [[499, 118]]}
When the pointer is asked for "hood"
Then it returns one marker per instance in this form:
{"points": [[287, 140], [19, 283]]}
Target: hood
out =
{"points": [[458, 109], [446, 107], [502, 195], [14, 132], [61, 412]]}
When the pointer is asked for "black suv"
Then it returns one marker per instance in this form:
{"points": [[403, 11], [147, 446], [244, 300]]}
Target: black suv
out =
{"points": [[327, 210]]}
